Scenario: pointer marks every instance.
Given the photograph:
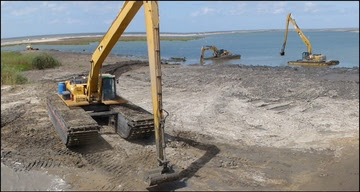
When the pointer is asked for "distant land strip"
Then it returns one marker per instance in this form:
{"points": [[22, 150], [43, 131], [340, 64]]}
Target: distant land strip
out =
{"points": [[86, 38]]}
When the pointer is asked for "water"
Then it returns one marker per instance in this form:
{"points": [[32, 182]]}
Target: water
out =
{"points": [[30, 181], [255, 48]]}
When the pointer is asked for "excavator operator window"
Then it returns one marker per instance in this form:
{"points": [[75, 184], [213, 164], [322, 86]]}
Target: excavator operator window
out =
{"points": [[305, 55], [108, 89]]}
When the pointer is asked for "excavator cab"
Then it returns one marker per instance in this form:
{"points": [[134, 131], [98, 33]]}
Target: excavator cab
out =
{"points": [[315, 57], [108, 91], [319, 57], [305, 55]]}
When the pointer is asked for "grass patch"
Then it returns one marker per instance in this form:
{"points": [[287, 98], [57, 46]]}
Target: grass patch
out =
{"points": [[16, 60], [13, 63], [11, 76]]}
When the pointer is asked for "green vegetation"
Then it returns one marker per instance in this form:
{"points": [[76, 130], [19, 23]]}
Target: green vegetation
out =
{"points": [[11, 76], [71, 41], [13, 63], [44, 61]]}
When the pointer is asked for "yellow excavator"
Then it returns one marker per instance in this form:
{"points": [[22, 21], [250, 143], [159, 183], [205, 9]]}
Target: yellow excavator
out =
{"points": [[308, 58], [217, 53], [28, 47], [82, 102]]}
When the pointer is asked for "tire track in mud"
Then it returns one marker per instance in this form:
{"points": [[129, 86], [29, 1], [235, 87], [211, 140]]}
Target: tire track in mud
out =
{"points": [[38, 164], [120, 161], [110, 165], [10, 116], [19, 161], [116, 164], [30, 142]]}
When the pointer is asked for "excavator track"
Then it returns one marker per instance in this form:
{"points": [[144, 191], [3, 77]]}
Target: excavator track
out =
{"points": [[77, 126], [314, 63], [74, 125], [133, 122]]}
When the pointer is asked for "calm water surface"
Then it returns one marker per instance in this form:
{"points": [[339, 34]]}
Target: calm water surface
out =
{"points": [[256, 48]]}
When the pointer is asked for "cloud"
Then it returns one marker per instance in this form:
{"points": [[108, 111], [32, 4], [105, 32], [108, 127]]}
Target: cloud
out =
{"points": [[96, 7], [24, 11], [207, 10], [108, 21], [203, 11], [221, 8], [271, 7], [310, 7], [92, 6], [238, 9], [73, 21], [53, 6], [68, 20], [279, 8], [48, 4], [54, 21]]}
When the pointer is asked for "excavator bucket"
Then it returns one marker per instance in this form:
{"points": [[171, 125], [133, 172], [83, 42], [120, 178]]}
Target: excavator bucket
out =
{"points": [[161, 175]]}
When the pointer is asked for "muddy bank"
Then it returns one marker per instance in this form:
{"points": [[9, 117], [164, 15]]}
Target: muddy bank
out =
{"points": [[230, 127]]}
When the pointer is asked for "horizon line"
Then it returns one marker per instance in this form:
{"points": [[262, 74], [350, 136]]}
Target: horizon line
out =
{"points": [[188, 33]]}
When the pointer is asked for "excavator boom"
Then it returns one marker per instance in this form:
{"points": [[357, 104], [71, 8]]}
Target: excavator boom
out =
{"points": [[127, 13], [298, 30]]}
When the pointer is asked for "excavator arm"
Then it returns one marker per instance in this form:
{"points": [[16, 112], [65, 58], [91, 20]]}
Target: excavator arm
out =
{"points": [[208, 47], [153, 44], [298, 30], [127, 13]]}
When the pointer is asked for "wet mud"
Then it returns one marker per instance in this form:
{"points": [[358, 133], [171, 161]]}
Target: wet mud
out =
{"points": [[230, 127]]}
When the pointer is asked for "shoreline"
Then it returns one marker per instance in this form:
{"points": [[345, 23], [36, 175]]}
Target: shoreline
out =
{"points": [[60, 37], [47, 39]]}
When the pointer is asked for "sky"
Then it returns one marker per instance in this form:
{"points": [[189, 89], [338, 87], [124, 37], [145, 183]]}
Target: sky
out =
{"points": [[31, 18]]}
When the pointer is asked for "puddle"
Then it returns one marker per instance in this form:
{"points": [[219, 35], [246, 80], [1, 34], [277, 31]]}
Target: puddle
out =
{"points": [[30, 181]]}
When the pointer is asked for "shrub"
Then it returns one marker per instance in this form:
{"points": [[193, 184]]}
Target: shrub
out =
{"points": [[45, 61]]}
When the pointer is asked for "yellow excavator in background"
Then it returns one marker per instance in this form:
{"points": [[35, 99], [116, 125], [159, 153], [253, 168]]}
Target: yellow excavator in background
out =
{"points": [[308, 58], [84, 101], [217, 53], [28, 47]]}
